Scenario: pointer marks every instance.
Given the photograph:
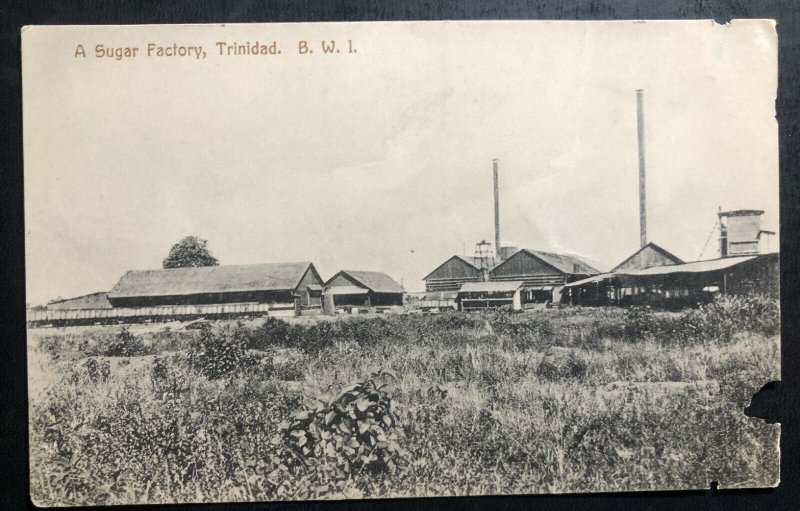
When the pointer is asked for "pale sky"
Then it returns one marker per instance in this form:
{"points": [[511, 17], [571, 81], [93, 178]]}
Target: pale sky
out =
{"points": [[381, 159]]}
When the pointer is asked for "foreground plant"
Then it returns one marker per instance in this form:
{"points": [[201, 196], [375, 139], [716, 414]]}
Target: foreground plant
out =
{"points": [[354, 432]]}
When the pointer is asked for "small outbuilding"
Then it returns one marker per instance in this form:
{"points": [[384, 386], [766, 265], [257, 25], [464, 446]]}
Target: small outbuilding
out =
{"points": [[364, 288]]}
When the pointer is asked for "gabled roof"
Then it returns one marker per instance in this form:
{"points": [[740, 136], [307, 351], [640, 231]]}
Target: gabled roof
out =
{"points": [[491, 286], [212, 279], [457, 257], [375, 281], [561, 262], [675, 259]]}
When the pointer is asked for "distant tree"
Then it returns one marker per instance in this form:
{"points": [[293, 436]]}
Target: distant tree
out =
{"points": [[190, 252]]}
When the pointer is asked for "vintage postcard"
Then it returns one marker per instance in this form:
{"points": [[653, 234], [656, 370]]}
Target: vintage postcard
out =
{"points": [[399, 259]]}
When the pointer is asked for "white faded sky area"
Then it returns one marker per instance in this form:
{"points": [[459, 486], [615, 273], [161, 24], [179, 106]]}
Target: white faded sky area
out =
{"points": [[381, 160]]}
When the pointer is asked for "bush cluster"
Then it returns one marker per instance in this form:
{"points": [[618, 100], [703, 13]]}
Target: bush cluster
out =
{"points": [[218, 351], [357, 431], [715, 321], [123, 344], [365, 332]]}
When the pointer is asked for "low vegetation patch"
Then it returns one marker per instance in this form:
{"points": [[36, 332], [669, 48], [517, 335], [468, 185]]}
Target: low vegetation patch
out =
{"points": [[577, 399]]}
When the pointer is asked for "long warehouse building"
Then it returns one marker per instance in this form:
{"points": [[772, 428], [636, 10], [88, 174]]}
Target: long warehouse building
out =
{"points": [[254, 283]]}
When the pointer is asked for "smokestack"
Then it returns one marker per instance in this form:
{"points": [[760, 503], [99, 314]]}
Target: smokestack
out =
{"points": [[496, 211], [642, 199]]}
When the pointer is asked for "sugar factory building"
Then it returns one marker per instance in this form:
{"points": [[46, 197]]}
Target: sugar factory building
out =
{"points": [[501, 275], [276, 289], [497, 275], [655, 277]]}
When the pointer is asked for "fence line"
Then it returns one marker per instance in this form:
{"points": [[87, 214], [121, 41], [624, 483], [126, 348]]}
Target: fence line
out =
{"points": [[62, 317]]}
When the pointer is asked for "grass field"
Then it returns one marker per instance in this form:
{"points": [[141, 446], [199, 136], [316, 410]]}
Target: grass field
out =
{"points": [[568, 400]]}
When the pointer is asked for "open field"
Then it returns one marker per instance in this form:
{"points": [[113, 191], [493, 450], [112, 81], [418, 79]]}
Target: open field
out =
{"points": [[409, 405]]}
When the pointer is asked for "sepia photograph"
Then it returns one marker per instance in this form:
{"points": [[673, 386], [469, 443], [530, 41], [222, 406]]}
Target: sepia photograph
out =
{"points": [[368, 260]]}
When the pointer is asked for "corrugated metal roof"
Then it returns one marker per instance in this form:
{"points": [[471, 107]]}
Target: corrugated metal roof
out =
{"points": [[375, 281], [492, 286], [561, 262], [693, 267], [565, 263], [211, 279]]}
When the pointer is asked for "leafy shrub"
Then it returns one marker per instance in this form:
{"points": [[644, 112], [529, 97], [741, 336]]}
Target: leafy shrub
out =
{"points": [[354, 432], [219, 351], [123, 344]]}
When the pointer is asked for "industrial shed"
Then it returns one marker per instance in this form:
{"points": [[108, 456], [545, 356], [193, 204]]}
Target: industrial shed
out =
{"points": [[252, 283], [604, 288], [451, 275], [367, 288], [689, 281], [681, 284], [90, 301], [542, 273]]}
